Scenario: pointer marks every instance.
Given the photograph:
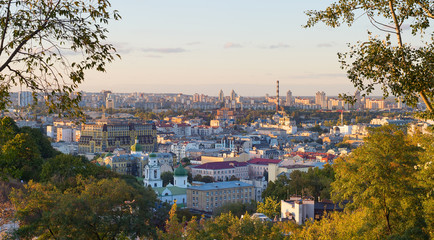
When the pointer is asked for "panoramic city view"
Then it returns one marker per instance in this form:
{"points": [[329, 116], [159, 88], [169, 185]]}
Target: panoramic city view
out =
{"points": [[216, 119]]}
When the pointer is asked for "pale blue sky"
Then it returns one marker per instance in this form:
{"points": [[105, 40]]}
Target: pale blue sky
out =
{"points": [[189, 46]]}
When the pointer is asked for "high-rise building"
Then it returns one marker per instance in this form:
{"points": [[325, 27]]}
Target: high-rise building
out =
{"points": [[110, 101], [25, 98], [105, 137], [233, 95], [221, 96], [321, 99], [289, 100]]}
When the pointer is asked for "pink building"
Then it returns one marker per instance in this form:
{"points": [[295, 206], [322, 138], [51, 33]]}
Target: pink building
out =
{"points": [[258, 166]]}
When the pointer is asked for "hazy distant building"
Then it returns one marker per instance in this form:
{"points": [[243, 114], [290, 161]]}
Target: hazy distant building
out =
{"points": [[321, 99], [289, 101], [25, 98], [110, 102], [233, 95], [221, 96]]}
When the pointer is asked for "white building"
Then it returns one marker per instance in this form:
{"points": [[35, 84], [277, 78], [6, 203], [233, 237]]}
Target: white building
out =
{"points": [[297, 209], [176, 192], [152, 172]]}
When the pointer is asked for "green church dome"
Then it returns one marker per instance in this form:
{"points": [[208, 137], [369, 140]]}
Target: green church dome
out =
{"points": [[180, 171], [136, 147]]}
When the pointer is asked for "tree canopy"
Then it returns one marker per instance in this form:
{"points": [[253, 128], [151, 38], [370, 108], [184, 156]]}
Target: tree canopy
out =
{"points": [[46, 46], [381, 176], [401, 70]]}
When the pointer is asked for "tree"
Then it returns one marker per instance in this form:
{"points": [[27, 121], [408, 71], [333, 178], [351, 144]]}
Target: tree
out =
{"points": [[425, 177], [20, 158], [37, 36], [8, 130], [167, 178], [270, 207], [380, 177], [94, 209], [402, 70], [236, 208], [173, 229], [337, 225], [62, 171], [42, 142]]}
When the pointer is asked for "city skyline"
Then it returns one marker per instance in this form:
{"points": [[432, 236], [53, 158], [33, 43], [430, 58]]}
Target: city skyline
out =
{"points": [[203, 46]]}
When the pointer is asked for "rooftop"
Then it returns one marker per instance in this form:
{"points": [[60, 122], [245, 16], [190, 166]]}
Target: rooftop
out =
{"points": [[264, 161], [220, 185], [221, 165]]}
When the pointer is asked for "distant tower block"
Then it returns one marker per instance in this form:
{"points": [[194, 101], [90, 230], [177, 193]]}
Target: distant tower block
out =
{"points": [[277, 96], [289, 98]]}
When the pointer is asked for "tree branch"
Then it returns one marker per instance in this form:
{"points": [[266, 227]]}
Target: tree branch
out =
{"points": [[27, 38], [425, 9], [6, 27]]}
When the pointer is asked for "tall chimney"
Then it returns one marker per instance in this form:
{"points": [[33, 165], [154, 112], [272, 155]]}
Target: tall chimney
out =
{"points": [[277, 97]]}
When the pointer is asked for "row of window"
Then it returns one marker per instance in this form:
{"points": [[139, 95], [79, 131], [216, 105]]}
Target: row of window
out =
{"points": [[224, 191], [228, 197]]}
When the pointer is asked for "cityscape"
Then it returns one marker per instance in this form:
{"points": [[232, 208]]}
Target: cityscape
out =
{"points": [[216, 120]]}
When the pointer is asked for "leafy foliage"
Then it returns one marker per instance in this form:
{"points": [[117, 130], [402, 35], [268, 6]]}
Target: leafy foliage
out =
{"points": [[315, 182], [403, 70], [100, 209], [270, 207], [225, 226], [20, 158], [236, 208], [167, 178], [380, 177], [38, 39]]}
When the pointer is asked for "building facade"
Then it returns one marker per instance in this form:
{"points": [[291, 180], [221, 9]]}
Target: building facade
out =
{"points": [[222, 171], [210, 196], [107, 137]]}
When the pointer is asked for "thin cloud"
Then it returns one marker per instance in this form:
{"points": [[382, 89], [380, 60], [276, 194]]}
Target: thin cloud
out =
{"points": [[232, 45], [279, 45], [164, 50], [325, 45], [193, 43], [153, 56]]}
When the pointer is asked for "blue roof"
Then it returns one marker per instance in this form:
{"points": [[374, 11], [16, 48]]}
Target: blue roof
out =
{"points": [[220, 185]]}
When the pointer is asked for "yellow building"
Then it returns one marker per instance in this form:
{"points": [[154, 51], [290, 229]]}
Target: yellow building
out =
{"points": [[243, 157], [105, 137]]}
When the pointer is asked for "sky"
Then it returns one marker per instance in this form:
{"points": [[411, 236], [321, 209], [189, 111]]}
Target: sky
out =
{"points": [[202, 46]]}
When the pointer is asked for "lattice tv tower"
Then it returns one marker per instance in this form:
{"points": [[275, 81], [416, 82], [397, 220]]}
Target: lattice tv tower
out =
{"points": [[277, 97]]}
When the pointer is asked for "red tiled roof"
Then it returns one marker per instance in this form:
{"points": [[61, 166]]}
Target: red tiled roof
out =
{"points": [[221, 165], [263, 161]]}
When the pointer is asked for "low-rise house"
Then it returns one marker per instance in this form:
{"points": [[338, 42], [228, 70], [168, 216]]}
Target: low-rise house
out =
{"points": [[297, 209]]}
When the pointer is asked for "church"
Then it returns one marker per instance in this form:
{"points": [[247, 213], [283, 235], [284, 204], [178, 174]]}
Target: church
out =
{"points": [[169, 193]]}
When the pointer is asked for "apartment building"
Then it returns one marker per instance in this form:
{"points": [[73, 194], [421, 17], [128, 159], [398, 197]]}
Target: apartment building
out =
{"points": [[210, 196]]}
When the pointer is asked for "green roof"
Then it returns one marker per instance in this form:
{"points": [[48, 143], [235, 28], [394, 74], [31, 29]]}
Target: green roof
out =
{"points": [[173, 189], [152, 155], [180, 171]]}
